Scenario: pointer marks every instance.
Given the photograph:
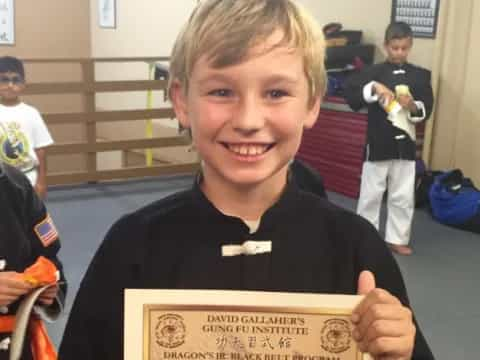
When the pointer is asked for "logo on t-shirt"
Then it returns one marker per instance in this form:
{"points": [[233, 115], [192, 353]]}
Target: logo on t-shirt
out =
{"points": [[15, 147]]}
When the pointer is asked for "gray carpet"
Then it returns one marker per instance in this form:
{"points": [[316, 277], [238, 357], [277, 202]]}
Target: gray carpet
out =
{"points": [[441, 276]]}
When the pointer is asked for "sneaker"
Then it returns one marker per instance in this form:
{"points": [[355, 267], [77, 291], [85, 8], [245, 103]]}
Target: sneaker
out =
{"points": [[401, 249]]}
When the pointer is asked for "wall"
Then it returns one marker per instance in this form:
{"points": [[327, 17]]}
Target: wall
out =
{"points": [[60, 29], [144, 28], [467, 149], [456, 129], [154, 34]]}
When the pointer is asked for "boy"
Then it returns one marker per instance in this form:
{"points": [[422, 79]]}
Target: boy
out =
{"points": [[23, 134], [26, 233], [398, 96], [246, 77]]}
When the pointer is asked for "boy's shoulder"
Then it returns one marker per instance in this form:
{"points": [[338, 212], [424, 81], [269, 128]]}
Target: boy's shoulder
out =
{"points": [[324, 207], [380, 66], [171, 206], [14, 183], [161, 217], [13, 176], [417, 68], [323, 213], [29, 108], [21, 109], [343, 227]]}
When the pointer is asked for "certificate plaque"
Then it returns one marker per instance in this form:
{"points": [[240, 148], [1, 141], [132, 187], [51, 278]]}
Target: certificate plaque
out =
{"points": [[238, 325]]}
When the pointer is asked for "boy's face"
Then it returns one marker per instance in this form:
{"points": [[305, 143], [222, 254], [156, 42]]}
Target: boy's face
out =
{"points": [[398, 50], [11, 85], [247, 119]]}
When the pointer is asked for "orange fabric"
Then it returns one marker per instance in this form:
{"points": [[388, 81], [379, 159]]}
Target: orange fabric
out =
{"points": [[7, 323], [42, 347], [42, 272]]}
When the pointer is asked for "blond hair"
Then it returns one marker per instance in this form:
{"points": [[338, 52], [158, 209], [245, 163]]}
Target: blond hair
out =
{"points": [[225, 30]]}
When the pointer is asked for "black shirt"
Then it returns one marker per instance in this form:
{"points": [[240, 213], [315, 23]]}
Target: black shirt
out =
{"points": [[20, 212], [175, 243], [385, 141]]}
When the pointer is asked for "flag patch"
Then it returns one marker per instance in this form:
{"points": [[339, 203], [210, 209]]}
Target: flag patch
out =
{"points": [[46, 231]]}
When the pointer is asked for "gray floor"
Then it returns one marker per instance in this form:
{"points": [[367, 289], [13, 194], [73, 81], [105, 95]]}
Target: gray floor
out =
{"points": [[441, 276]]}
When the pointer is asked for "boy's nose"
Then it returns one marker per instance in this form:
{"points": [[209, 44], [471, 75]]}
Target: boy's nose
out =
{"points": [[249, 117]]}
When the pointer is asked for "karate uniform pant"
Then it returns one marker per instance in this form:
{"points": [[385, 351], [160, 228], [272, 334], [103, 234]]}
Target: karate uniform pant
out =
{"points": [[398, 177]]}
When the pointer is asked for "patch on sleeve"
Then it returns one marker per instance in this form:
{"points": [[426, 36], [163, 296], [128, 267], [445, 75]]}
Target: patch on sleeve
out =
{"points": [[46, 231]]}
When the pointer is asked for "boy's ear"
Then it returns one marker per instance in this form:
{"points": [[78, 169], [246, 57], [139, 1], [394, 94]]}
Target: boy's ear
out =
{"points": [[179, 102], [313, 112]]}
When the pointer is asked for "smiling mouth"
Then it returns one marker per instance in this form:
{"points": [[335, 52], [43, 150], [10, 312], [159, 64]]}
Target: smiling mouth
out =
{"points": [[248, 149]]}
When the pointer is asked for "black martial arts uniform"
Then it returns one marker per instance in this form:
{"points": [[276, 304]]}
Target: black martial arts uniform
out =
{"points": [[175, 243], [390, 150], [385, 141], [21, 213]]}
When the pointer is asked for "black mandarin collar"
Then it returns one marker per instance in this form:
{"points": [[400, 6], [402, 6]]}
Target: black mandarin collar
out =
{"points": [[282, 209], [405, 66]]}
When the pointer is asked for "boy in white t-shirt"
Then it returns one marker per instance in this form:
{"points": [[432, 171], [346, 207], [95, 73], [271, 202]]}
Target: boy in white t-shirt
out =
{"points": [[23, 133]]}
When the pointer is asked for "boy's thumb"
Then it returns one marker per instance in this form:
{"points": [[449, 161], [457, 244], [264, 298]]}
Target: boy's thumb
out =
{"points": [[366, 282]]}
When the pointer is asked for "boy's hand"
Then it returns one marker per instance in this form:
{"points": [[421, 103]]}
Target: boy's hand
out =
{"points": [[12, 286], [406, 101], [41, 190], [48, 296], [385, 95], [383, 326]]}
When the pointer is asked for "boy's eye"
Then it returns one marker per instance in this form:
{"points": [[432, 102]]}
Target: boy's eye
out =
{"points": [[220, 92], [277, 94], [11, 79]]}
